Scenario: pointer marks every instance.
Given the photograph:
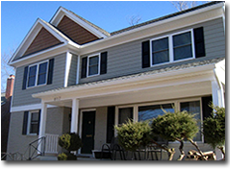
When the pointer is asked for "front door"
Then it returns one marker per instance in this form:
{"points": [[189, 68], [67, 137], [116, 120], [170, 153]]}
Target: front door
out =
{"points": [[88, 128]]}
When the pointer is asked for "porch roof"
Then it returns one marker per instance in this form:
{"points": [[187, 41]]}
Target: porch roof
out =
{"points": [[167, 71]]}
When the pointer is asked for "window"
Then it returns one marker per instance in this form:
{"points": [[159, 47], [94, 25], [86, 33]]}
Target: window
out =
{"points": [[160, 51], [194, 108], [153, 111], [33, 122], [93, 65], [42, 73], [32, 76], [182, 46], [172, 48], [37, 74], [124, 115]]}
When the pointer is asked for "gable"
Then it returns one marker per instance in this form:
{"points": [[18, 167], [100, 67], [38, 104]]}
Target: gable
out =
{"points": [[42, 41], [75, 32]]}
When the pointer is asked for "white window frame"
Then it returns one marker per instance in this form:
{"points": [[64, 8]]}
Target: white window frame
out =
{"points": [[37, 72], [29, 122], [99, 64], [171, 49]]}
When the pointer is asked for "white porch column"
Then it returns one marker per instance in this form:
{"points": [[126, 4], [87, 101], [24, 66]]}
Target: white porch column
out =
{"points": [[43, 120], [42, 126], [74, 116], [217, 94], [218, 100]]}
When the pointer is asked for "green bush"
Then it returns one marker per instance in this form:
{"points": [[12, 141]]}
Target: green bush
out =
{"points": [[70, 142], [214, 127], [176, 125], [132, 136], [66, 156]]}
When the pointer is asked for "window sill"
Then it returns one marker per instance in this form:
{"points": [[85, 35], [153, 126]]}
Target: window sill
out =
{"points": [[36, 86]]}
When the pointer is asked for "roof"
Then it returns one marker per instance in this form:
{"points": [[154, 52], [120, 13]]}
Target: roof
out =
{"points": [[167, 68], [165, 17], [91, 24], [3, 98]]}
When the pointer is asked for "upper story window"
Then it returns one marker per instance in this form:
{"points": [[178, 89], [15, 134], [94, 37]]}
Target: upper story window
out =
{"points": [[37, 74], [93, 65], [172, 48]]}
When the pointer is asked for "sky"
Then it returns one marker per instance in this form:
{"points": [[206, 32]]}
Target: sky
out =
{"points": [[17, 17]]}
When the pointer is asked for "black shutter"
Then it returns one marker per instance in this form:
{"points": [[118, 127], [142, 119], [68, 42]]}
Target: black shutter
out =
{"points": [[39, 118], [206, 110], [110, 123], [25, 123], [25, 78], [145, 54], [50, 72], [83, 67], [103, 65], [199, 42]]}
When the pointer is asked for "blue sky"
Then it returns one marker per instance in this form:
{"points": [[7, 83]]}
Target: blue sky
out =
{"points": [[17, 17]]}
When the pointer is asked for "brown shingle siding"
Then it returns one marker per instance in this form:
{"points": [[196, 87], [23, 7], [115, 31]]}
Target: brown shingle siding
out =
{"points": [[75, 32], [43, 40]]}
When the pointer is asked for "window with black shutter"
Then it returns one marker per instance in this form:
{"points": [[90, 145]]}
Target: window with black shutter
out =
{"points": [[199, 42]]}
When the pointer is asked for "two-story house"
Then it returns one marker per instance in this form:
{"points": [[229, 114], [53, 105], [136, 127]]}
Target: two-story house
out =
{"points": [[72, 76]]}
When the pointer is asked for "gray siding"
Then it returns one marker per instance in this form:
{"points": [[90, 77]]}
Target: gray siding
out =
{"points": [[57, 123], [23, 97], [126, 59]]}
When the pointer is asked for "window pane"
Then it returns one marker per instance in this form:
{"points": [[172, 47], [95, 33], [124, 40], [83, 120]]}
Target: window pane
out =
{"points": [[182, 46], [182, 39], [160, 51], [32, 71], [33, 128], [125, 114], [93, 60], [161, 44], [150, 112], [41, 79], [183, 52], [43, 68], [31, 81], [160, 57], [34, 116], [194, 108], [93, 70]]}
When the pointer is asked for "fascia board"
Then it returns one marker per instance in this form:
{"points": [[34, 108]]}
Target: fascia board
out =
{"points": [[124, 82]]}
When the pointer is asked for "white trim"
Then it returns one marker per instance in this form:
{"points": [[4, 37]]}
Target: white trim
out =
{"points": [[67, 67], [29, 107], [99, 64]]}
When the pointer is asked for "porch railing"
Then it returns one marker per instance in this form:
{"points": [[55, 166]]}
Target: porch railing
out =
{"points": [[51, 143]]}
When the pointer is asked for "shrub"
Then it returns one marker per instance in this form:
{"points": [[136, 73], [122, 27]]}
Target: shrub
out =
{"points": [[132, 136], [214, 127], [70, 142], [66, 156]]}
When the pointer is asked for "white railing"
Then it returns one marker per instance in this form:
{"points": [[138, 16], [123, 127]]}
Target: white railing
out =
{"points": [[51, 143]]}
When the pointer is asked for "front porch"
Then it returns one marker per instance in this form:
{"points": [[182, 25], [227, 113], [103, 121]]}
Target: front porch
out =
{"points": [[95, 108]]}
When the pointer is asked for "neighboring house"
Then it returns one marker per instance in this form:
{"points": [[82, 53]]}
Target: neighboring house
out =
{"points": [[72, 76], [5, 112]]}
